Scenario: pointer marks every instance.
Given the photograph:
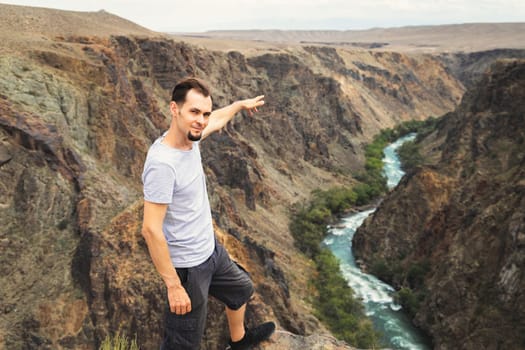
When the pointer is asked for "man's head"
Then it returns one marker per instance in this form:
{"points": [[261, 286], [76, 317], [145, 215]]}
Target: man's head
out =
{"points": [[181, 89], [191, 107]]}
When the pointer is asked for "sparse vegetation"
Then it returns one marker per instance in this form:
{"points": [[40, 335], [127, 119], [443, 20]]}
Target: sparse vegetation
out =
{"points": [[416, 274], [409, 156], [410, 299], [385, 271], [337, 306], [118, 342]]}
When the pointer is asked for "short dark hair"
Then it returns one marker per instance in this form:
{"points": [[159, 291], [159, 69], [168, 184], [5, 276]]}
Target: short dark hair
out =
{"points": [[182, 87]]}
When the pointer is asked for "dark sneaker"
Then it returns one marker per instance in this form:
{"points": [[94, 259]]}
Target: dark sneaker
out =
{"points": [[253, 336]]}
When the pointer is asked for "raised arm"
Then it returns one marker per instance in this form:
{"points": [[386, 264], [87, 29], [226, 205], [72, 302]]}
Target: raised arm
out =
{"points": [[158, 249], [220, 117]]}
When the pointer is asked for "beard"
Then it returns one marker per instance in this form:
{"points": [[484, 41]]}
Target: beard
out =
{"points": [[192, 137]]}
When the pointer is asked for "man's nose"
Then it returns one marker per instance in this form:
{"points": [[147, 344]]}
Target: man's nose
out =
{"points": [[201, 119]]}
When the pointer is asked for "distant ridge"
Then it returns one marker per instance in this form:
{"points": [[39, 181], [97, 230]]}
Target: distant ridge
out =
{"points": [[36, 23], [451, 37], [24, 20]]}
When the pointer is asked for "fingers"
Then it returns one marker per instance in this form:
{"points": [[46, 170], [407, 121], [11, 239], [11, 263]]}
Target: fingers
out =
{"points": [[179, 300], [251, 110], [251, 105], [181, 307], [259, 101]]}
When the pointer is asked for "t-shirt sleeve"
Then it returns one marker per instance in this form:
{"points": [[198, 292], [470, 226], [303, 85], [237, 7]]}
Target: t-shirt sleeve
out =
{"points": [[159, 180]]}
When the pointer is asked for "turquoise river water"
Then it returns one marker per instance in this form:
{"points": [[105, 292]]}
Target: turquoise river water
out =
{"points": [[377, 296]]}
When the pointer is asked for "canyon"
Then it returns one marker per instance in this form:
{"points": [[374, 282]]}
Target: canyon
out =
{"points": [[83, 95], [451, 234]]}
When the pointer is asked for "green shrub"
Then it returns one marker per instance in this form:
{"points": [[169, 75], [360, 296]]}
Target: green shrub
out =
{"points": [[382, 270], [308, 226], [118, 342], [339, 199], [406, 298], [337, 307], [410, 299], [416, 274], [409, 155]]}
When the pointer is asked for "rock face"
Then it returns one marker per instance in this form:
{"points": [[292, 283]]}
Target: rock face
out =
{"points": [[470, 67], [77, 115], [454, 230]]}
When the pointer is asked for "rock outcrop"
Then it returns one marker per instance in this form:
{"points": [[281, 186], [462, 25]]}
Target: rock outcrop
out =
{"points": [[469, 67], [77, 114], [453, 231]]}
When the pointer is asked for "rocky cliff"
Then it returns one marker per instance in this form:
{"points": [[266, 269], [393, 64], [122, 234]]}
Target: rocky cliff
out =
{"points": [[79, 106], [469, 67], [452, 232]]}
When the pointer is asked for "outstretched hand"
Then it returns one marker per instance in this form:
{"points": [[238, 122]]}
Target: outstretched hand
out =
{"points": [[220, 117], [251, 104]]}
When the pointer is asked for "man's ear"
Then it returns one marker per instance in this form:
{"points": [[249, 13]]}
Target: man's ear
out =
{"points": [[174, 108]]}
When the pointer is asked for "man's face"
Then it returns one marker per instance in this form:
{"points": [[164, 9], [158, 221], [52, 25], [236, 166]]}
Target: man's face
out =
{"points": [[193, 115]]}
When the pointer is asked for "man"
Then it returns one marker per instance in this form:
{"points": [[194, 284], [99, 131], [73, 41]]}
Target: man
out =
{"points": [[178, 227]]}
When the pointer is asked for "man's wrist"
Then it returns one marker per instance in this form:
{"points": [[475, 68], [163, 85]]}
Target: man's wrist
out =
{"points": [[238, 106], [172, 283]]}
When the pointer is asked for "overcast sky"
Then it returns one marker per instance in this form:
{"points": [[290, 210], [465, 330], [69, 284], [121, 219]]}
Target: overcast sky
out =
{"points": [[202, 15]]}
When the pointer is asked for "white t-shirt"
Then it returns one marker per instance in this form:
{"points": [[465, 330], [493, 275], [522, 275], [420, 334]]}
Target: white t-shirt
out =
{"points": [[176, 177]]}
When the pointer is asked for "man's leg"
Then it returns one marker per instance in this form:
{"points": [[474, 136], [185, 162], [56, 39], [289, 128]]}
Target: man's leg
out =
{"points": [[184, 332], [232, 285], [236, 322], [241, 338]]}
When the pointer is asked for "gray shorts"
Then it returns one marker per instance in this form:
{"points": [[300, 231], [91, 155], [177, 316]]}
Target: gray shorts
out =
{"points": [[219, 277]]}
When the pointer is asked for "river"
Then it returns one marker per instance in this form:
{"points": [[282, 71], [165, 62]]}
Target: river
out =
{"points": [[377, 296]]}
